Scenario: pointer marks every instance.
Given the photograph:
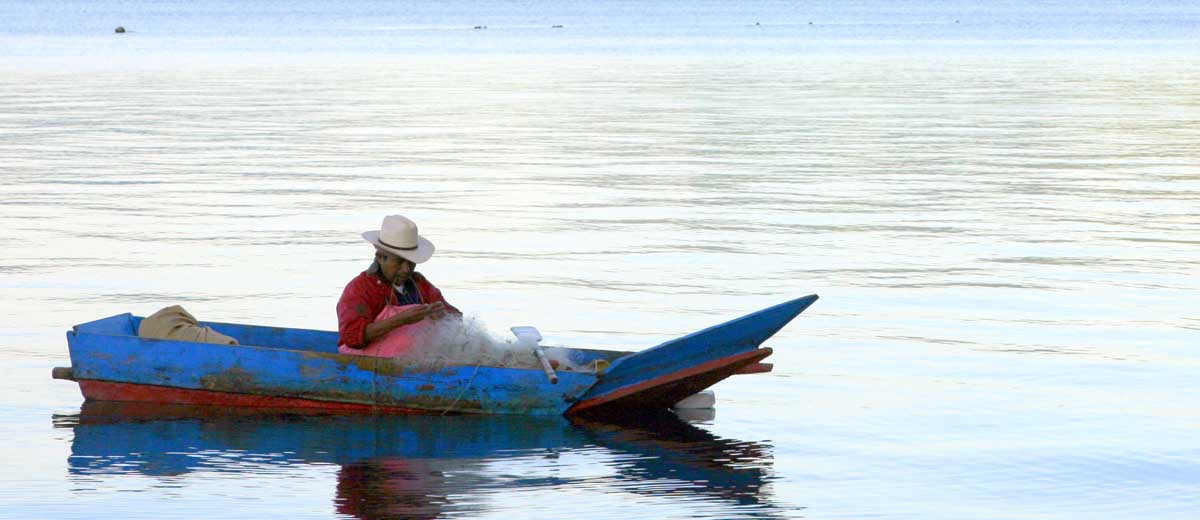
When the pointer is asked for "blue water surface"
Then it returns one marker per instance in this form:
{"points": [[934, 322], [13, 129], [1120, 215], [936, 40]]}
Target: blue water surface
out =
{"points": [[996, 201], [598, 28]]}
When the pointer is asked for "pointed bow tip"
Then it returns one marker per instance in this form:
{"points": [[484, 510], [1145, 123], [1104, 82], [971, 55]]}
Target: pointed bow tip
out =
{"points": [[803, 303]]}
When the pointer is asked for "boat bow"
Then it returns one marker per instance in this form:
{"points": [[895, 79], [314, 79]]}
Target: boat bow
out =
{"points": [[662, 375]]}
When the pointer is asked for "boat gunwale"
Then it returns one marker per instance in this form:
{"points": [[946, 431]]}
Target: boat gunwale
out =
{"points": [[611, 355]]}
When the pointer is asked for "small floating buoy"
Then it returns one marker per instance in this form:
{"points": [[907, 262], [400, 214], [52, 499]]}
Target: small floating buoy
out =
{"points": [[119, 29], [700, 400], [695, 414]]}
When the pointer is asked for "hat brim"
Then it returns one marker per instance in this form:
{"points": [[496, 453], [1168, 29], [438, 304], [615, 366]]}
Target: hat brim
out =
{"points": [[419, 255]]}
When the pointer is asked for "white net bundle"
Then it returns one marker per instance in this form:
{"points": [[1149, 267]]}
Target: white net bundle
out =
{"points": [[452, 341]]}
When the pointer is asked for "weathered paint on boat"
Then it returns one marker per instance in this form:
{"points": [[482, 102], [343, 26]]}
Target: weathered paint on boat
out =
{"points": [[298, 368], [309, 372]]}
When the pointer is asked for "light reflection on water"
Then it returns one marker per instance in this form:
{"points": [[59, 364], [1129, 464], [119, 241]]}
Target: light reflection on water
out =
{"points": [[922, 178]]}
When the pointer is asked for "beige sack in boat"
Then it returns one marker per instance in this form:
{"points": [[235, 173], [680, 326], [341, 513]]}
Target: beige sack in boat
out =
{"points": [[175, 323]]}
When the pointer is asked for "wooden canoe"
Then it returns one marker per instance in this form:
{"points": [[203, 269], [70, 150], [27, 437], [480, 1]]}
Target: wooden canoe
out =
{"points": [[289, 368]]}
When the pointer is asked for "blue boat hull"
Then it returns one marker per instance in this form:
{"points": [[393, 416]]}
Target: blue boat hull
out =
{"points": [[297, 368]]}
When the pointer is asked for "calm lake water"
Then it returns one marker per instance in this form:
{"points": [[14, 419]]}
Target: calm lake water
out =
{"points": [[1000, 208]]}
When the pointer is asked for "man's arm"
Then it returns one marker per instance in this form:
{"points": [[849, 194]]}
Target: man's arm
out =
{"points": [[354, 315]]}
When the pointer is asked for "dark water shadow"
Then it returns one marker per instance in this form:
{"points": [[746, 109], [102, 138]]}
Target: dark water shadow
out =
{"points": [[423, 466]]}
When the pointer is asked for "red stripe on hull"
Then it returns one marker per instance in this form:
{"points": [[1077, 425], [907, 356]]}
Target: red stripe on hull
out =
{"points": [[706, 375], [129, 392], [756, 368]]}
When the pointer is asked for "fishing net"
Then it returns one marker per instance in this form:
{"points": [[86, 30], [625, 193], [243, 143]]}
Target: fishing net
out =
{"points": [[454, 341]]}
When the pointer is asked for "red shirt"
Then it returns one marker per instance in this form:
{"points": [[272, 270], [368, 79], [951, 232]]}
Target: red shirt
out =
{"points": [[366, 295]]}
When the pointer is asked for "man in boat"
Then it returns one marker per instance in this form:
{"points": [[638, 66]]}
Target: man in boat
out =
{"points": [[391, 280]]}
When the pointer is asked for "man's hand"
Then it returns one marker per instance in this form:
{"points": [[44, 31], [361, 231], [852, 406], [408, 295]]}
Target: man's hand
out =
{"points": [[407, 316], [419, 312]]}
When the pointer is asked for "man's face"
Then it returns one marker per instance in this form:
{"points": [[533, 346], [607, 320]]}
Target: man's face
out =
{"points": [[394, 267]]}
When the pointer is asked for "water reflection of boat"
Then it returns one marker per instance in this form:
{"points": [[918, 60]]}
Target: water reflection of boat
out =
{"points": [[412, 466], [675, 450]]}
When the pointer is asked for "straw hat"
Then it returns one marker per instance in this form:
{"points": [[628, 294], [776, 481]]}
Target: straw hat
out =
{"points": [[398, 235]]}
